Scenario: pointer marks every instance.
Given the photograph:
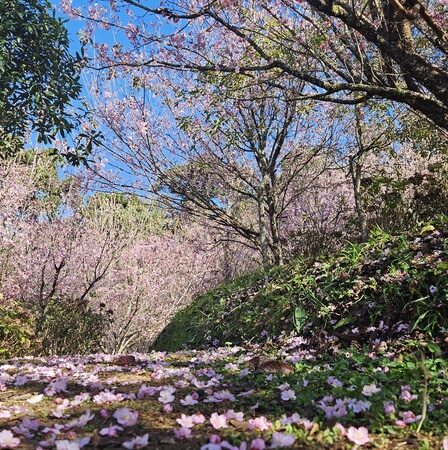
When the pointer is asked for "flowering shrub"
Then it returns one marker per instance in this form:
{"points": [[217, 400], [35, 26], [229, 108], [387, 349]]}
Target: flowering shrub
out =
{"points": [[96, 272], [401, 191], [68, 327]]}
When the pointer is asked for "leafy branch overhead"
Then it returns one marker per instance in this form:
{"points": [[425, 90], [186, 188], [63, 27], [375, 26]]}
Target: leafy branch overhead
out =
{"points": [[39, 77]]}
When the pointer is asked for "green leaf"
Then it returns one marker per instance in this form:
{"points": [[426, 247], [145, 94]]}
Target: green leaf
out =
{"points": [[342, 322], [434, 348], [427, 229], [300, 318]]}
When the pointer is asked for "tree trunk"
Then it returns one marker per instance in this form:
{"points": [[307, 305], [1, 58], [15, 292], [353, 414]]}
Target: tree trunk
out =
{"points": [[263, 241], [356, 171], [356, 166], [277, 249], [227, 262]]}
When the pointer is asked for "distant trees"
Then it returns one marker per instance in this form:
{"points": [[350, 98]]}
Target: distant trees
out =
{"points": [[111, 256]]}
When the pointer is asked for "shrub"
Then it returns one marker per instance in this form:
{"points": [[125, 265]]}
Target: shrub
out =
{"points": [[69, 327], [16, 330]]}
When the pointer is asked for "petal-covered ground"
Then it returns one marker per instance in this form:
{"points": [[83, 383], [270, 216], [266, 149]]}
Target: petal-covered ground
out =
{"points": [[227, 398]]}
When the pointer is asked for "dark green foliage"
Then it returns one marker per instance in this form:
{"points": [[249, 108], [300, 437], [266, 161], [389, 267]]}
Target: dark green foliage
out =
{"points": [[69, 328], [38, 76], [16, 330], [205, 319], [388, 279], [63, 328]]}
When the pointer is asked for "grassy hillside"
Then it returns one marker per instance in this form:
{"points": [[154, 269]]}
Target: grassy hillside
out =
{"points": [[386, 286]]}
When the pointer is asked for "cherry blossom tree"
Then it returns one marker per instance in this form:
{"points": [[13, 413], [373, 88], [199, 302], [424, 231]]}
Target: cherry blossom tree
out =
{"points": [[228, 159], [344, 52], [210, 58], [101, 254]]}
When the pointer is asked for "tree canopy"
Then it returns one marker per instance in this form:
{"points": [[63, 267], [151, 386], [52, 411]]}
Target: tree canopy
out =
{"points": [[344, 52], [38, 75]]}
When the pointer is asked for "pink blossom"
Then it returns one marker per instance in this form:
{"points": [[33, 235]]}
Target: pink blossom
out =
{"points": [[220, 396], [282, 440], [167, 407], [145, 390], [445, 443], [183, 433], [259, 423], [406, 394], [73, 13], [137, 442], [359, 436], [75, 444], [81, 398], [198, 418], [307, 424], [7, 439], [389, 408], [21, 380], [338, 426], [56, 386], [111, 431], [31, 424], [211, 446], [231, 414], [409, 417], [66, 444], [332, 381], [185, 421], [258, 444], [166, 396], [107, 396], [370, 389], [81, 421], [400, 423], [190, 400], [218, 421], [126, 417], [288, 394], [23, 430]]}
